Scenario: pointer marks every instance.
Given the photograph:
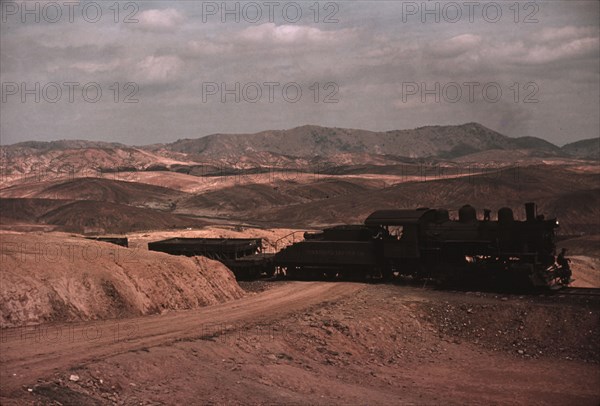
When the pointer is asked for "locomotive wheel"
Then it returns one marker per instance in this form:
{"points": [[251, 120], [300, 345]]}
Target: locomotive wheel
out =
{"points": [[302, 275], [305, 274], [387, 275], [292, 273], [354, 276]]}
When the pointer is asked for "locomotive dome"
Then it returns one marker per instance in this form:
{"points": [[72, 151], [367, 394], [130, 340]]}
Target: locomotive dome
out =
{"points": [[467, 214]]}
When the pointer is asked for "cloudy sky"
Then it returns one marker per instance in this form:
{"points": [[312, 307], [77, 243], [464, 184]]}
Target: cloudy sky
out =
{"points": [[156, 71]]}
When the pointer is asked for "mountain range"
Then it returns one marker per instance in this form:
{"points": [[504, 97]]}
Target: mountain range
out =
{"points": [[309, 142], [304, 176]]}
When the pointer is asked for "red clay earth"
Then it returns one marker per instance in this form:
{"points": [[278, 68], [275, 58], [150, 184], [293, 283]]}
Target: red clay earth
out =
{"points": [[319, 343]]}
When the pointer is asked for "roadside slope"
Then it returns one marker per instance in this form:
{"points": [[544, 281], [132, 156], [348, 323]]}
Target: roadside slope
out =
{"points": [[23, 363], [48, 278]]}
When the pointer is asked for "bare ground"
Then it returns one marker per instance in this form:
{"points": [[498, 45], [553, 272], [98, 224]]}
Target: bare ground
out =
{"points": [[283, 342], [586, 271], [321, 343], [55, 277]]}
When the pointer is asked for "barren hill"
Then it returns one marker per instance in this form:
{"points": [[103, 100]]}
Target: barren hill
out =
{"points": [[584, 149], [310, 141], [96, 280], [105, 190], [262, 197], [89, 216], [573, 197], [303, 201], [302, 177], [296, 148], [60, 160]]}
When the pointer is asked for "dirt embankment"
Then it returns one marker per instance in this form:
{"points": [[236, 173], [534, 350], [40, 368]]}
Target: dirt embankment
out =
{"points": [[586, 271], [584, 253], [47, 278]]}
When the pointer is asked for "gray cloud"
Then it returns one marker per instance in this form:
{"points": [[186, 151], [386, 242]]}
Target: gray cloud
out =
{"points": [[170, 53]]}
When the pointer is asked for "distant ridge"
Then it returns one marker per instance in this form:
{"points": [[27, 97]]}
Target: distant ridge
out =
{"points": [[448, 140], [66, 144], [296, 147], [589, 149], [310, 140]]}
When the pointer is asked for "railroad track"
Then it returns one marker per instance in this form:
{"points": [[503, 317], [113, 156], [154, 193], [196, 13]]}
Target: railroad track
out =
{"points": [[579, 291]]}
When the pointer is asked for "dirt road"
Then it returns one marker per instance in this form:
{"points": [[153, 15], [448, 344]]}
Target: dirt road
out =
{"points": [[34, 352], [318, 343]]}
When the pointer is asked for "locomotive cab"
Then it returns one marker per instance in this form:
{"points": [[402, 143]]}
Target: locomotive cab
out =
{"points": [[401, 251]]}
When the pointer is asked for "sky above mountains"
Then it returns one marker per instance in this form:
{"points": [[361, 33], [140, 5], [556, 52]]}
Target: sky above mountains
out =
{"points": [[152, 71]]}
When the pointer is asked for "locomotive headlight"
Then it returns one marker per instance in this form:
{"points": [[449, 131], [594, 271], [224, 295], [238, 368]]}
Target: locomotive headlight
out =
{"points": [[556, 222]]}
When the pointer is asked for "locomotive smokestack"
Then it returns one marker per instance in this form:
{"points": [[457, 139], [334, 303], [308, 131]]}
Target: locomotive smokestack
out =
{"points": [[530, 211]]}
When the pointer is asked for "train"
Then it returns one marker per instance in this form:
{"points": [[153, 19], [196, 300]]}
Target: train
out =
{"points": [[420, 244], [426, 244]]}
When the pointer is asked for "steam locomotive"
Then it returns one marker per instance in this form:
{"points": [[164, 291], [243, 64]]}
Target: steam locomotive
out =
{"points": [[426, 244]]}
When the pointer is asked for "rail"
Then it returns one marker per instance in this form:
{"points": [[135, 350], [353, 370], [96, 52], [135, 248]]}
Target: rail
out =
{"points": [[579, 291]]}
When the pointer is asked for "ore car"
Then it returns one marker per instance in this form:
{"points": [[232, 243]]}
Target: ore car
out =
{"points": [[244, 256]]}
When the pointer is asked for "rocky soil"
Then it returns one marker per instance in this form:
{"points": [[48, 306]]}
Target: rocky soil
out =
{"points": [[382, 344]]}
